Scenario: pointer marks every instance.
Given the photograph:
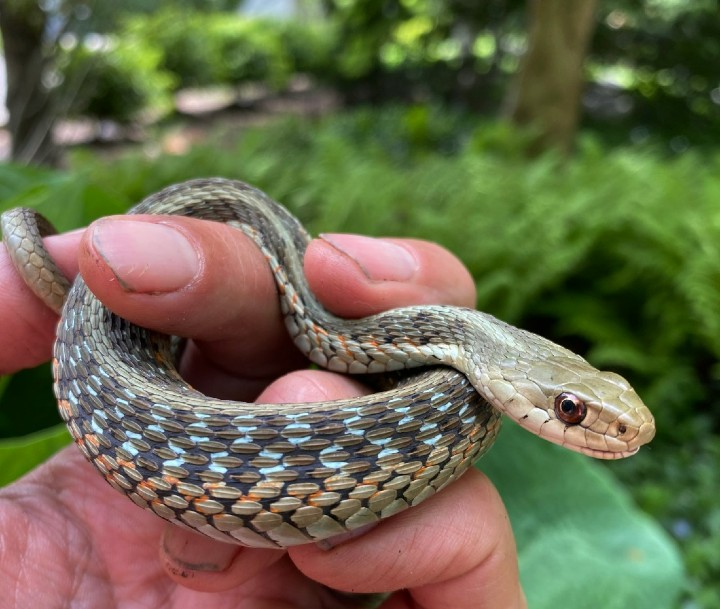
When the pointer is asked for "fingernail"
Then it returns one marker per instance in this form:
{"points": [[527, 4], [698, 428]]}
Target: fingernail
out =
{"points": [[336, 540], [146, 257], [186, 550], [379, 259]]}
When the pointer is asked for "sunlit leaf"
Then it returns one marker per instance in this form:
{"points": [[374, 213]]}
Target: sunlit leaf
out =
{"points": [[582, 543], [20, 455]]}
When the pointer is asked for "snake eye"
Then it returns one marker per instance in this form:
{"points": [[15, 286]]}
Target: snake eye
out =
{"points": [[570, 409]]}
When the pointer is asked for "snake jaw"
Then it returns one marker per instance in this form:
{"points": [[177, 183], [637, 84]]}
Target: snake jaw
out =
{"points": [[604, 454]]}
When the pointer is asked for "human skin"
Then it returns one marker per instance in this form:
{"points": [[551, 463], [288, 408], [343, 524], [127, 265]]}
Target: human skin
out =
{"points": [[68, 540]]}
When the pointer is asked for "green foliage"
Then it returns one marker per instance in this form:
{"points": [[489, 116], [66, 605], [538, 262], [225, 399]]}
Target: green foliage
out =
{"points": [[649, 63], [18, 455], [98, 16], [184, 45], [252, 51], [409, 50], [118, 79], [573, 531], [68, 200], [310, 45], [667, 50], [132, 72], [681, 492], [225, 48]]}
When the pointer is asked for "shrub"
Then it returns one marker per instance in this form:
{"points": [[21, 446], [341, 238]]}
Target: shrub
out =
{"points": [[118, 79], [251, 50], [215, 48], [311, 46], [183, 42]]}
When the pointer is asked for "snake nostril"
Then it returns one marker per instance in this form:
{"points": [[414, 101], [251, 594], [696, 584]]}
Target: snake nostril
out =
{"points": [[621, 429]]}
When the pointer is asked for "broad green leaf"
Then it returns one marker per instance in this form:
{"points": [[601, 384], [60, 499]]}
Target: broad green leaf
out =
{"points": [[582, 543], [15, 179], [20, 455], [68, 200]]}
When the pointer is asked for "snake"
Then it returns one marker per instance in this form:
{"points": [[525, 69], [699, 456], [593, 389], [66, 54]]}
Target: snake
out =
{"points": [[279, 475]]}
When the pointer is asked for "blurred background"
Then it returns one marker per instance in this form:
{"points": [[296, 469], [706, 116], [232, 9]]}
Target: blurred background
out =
{"points": [[568, 152]]}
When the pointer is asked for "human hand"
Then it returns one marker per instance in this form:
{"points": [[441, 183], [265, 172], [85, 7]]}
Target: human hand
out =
{"points": [[67, 539]]}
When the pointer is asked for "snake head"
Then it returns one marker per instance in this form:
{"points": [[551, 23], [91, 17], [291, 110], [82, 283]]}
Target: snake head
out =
{"points": [[564, 399]]}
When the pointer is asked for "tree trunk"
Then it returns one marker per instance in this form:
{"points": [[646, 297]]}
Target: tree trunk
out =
{"points": [[22, 24], [546, 93]]}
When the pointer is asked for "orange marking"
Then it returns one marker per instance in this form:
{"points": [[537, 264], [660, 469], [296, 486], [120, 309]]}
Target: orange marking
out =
{"points": [[105, 462], [319, 330], [416, 474], [343, 342], [91, 439], [171, 480], [124, 463], [65, 409], [209, 486], [161, 359], [317, 495]]}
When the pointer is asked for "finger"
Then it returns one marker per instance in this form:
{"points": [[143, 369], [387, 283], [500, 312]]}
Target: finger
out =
{"points": [[28, 326], [191, 278], [455, 550], [196, 279], [203, 564], [206, 565], [354, 275]]}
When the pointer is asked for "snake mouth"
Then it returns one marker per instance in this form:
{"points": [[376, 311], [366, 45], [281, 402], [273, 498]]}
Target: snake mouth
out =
{"points": [[607, 455]]}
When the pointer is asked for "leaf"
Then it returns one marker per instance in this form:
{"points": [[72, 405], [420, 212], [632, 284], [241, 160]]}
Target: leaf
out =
{"points": [[20, 455], [15, 179], [581, 541], [68, 200]]}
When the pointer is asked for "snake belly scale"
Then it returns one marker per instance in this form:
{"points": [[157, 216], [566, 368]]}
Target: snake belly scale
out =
{"points": [[277, 475]]}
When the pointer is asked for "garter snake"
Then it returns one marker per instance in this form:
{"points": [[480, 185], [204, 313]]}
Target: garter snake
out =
{"points": [[269, 475]]}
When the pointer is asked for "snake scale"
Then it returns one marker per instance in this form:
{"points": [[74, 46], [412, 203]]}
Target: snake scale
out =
{"points": [[277, 475]]}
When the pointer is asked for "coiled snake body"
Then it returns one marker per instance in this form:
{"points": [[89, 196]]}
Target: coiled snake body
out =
{"points": [[276, 475]]}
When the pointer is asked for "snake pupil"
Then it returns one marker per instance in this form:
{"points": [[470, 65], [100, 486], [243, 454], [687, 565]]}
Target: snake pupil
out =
{"points": [[570, 409]]}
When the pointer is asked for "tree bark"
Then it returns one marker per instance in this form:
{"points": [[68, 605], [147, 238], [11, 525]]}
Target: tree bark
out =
{"points": [[22, 24], [546, 93]]}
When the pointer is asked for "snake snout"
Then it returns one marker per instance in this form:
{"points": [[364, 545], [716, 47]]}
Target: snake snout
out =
{"points": [[636, 427]]}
